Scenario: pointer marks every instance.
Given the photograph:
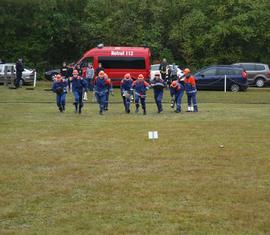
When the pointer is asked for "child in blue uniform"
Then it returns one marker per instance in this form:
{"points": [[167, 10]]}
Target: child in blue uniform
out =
{"points": [[158, 85], [101, 90], [79, 85], [59, 87], [191, 90], [177, 91], [140, 87], [125, 86]]}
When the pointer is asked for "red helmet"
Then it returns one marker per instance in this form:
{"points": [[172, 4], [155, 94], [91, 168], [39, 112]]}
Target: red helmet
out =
{"points": [[127, 75], [186, 71], [141, 77]]}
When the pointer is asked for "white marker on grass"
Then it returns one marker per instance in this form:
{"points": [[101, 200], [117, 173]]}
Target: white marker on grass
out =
{"points": [[152, 135]]}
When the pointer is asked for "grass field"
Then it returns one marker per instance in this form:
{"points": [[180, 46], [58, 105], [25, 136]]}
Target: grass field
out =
{"points": [[91, 174]]}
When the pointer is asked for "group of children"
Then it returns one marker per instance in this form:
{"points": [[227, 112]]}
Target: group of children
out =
{"points": [[130, 90]]}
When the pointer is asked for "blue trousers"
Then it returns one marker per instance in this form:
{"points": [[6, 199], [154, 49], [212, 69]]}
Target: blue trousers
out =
{"points": [[78, 98], [138, 98], [178, 99], [61, 100], [126, 103], [101, 99], [158, 95], [192, 99]]}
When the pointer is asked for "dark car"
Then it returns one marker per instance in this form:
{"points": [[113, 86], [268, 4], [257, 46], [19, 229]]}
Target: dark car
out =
{"points": [[49, 75], [213, 78], [257, 74]]}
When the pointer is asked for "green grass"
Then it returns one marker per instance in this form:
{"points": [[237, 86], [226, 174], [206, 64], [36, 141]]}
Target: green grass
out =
{"points": [[91, 174]]}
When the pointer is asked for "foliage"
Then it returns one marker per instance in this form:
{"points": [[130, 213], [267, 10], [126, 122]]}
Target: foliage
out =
{"points": [[193, 33]]}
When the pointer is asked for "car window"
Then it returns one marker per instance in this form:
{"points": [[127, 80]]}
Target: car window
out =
{"points": [[228, 71], [8, 68], [209, 72], [248, 67], [154, 67], [259, 67]]}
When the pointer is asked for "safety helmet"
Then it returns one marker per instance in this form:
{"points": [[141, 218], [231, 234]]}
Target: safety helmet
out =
{"points": [[101, 74], [174, 84], [141, 77], [127, 75], [186, 71]]}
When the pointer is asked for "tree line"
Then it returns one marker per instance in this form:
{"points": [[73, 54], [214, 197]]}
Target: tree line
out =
{"points": [[190, 32]]}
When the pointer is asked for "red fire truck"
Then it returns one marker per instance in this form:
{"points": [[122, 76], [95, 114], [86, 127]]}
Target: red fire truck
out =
{"points": [[117, 61]]}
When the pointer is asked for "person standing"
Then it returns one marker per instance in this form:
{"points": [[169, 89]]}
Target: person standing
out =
{"points": [[140, 87], [59, 87], [101, 90], [64, 71], [163, 69], [19, 70], [79, 85], [126, 93], [99, 68], [158, 85], [79, 69], [191, 90], [90, 73]]}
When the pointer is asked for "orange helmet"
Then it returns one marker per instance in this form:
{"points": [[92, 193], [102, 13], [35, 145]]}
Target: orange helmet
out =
{"points": [[127, 75], [101, 74], [186, 71], [174, 84], [141, 77]]}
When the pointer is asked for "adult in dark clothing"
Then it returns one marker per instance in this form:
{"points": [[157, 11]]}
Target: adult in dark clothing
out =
{"points": [[64, 71], [19, 70], [163, 69], [78, 68], [99, 68], [69, 75]]}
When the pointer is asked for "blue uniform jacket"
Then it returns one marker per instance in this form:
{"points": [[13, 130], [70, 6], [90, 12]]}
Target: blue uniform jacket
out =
{"points": [[140, 87], [158, 85], [126, 85], [79, 85], [101, 85], [59, 85]]}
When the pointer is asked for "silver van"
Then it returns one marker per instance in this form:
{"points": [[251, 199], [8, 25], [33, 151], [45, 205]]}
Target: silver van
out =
{"points": [[257, 74]]}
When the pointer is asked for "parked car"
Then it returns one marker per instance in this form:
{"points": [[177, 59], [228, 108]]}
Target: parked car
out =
{"points": [[27, 74], [49, 75], [257, 74], [213, 78], [155, 69]]}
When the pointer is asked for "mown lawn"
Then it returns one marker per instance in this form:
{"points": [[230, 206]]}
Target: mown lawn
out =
{"points": [[91, 174]]}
